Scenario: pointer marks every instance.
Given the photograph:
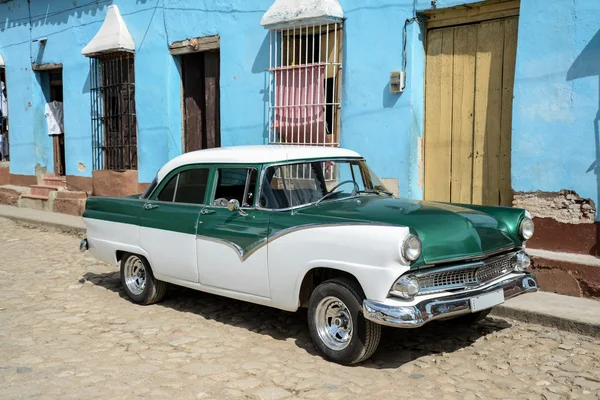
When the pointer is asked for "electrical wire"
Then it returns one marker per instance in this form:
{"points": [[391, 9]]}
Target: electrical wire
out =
{"points": [[40, 17]]}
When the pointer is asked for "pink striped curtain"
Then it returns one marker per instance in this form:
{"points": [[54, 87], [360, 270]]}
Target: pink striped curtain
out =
{"points": [[300, 104]]}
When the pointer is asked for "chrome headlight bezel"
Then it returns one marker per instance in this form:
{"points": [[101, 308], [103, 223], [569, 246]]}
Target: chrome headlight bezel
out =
{"points": [[411, 248], [522, 262], [406, 287], [526, 228]]}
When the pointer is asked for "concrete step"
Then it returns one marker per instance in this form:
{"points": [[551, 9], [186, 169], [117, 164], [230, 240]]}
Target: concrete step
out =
{"points": [[43, 190], [34, 196], [53, 180]]}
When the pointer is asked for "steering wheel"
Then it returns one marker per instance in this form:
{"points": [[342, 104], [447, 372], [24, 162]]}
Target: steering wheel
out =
{"points": [[332, 191]]}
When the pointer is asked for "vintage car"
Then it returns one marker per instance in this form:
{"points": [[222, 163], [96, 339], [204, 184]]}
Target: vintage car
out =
{"points": [[299, 226]]}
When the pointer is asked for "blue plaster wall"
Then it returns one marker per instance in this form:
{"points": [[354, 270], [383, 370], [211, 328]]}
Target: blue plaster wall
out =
{"points": [[555, 128], [556, 106]]}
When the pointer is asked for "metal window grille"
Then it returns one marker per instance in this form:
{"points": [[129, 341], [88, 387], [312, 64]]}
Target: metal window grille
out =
{"points": [[114, 132], [305, 84]]}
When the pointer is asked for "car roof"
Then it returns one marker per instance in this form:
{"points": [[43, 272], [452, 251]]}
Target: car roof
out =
{"points": [[257, 154]]}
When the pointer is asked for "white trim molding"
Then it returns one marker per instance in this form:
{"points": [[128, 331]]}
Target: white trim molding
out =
{"points": [[113, 36], [301, 11]]}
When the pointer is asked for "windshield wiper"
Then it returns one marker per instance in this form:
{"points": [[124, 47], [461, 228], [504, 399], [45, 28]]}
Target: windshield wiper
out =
{"points": [[376, 191]]}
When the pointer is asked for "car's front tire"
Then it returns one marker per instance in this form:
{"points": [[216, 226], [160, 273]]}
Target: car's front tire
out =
{"points": [[139, 282], [337, 325]]}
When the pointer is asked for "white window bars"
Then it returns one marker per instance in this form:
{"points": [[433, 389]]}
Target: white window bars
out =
{"points": [[305, 84]]}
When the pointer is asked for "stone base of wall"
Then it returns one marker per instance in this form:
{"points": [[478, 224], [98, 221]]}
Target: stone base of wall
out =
{"points": [[114, 183], [566, 238], [4, 173], [571, 279], [9, 197], [23, 180], [72, 203]]}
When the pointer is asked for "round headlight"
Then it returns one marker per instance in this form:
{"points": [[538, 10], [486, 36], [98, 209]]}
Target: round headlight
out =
{"points": [[523, 262], [526, 228], [411, 248], [406, 287]]}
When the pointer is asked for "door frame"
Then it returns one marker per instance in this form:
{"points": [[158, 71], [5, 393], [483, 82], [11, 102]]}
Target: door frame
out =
{"points": [[191, 46]]}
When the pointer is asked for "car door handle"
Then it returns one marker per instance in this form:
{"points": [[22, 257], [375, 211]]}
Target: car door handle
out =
{"points": [[149, 206], [206, 211]]}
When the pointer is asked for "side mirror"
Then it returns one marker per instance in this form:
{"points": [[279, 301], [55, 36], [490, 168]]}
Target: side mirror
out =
{"points": [[233, 205]]}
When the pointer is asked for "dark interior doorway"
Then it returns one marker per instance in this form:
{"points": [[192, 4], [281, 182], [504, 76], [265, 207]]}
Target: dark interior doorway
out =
{"points": [[58, 141], [201, 95]]}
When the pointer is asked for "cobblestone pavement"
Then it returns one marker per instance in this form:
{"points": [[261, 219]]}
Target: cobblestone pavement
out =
{"points": [[66, 332]]}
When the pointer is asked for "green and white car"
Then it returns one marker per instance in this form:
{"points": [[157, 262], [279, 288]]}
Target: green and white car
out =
{"points": [[299, 226]]}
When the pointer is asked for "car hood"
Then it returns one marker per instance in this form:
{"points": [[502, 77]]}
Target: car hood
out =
{"points": [[447, 231]]}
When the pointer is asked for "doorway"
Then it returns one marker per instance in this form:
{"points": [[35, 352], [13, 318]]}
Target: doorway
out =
{"points": [[52, 86], [468, 104], [201, 100]]}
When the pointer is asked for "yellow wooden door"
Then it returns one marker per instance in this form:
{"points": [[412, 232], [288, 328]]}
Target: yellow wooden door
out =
{"points": [[468, 112]]}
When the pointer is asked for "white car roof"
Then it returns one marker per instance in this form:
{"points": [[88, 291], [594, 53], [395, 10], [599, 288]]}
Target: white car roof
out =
{"points": [[257, 154]]}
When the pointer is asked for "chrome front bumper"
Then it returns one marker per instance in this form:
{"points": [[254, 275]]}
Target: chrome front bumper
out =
{"points": [[452, 305]]}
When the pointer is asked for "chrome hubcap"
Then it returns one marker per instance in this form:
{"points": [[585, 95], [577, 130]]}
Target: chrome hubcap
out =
{"points": [[334, 323], [135, 275]]}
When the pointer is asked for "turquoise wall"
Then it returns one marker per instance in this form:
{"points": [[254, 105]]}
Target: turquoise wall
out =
{"points": [[556, 140], [555, 128]]}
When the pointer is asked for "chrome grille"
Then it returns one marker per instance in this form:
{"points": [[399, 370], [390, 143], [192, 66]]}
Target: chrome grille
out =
{"points": [[469, 275]]}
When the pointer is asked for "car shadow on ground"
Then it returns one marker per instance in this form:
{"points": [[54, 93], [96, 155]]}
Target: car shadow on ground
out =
{"points": [[397, 346]]}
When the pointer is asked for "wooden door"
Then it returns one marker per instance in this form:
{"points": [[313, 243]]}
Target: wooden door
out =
{"points": [[201, 95], [468, 112]]}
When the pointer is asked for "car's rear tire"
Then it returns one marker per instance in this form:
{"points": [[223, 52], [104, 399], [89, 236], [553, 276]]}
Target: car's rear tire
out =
{"points": [[139, 282], [337, 325], [469, 319]]}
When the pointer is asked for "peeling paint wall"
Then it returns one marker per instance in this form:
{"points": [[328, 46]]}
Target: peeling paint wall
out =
{"points": [[564, 206]]}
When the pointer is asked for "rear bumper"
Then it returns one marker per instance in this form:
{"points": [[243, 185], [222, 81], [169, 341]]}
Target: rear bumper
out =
{"points": [[442, 307]]}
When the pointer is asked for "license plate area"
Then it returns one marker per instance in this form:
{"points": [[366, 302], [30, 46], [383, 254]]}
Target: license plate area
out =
{"points": [[488, 300]]}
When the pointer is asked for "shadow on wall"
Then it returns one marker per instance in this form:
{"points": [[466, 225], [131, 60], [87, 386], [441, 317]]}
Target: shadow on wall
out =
{"points": [[587, 64], [260, 66]]}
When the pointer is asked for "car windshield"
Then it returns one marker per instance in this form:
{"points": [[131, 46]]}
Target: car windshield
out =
{"points": [[298, 184]]}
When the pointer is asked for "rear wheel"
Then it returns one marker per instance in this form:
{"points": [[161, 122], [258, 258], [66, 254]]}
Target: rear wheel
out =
{"points": [[139, 282], [337, 325]]}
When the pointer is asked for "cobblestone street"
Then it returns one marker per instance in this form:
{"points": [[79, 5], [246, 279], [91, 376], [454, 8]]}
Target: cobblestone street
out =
{"points": [[67, 331]]}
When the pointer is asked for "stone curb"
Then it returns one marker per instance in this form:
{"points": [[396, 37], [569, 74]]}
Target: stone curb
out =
{"points": [[547, 319], [64, 228], [45, 218]]}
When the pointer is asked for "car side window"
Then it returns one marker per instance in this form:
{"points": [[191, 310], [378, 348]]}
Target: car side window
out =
{"points": [[186, 187], [168, 191], [235, 183], [191, 186]]}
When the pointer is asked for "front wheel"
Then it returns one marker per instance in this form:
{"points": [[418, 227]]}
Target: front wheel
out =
{"points": [[337, 325], [139, 282]]}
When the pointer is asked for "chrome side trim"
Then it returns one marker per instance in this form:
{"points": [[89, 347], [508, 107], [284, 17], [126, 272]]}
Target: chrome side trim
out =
{"points": [[443, 307], [245, 254], [242, 254]]}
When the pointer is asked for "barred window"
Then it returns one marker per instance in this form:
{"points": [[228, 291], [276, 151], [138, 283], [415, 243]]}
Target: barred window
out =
{"points": [[305, 84], [114, 132]]}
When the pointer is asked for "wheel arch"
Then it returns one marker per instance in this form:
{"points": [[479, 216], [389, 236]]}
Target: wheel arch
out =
{"points": [[317, 275]]}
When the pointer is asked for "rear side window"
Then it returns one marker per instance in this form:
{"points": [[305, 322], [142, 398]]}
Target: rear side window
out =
{"points": [[186, 187]]}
